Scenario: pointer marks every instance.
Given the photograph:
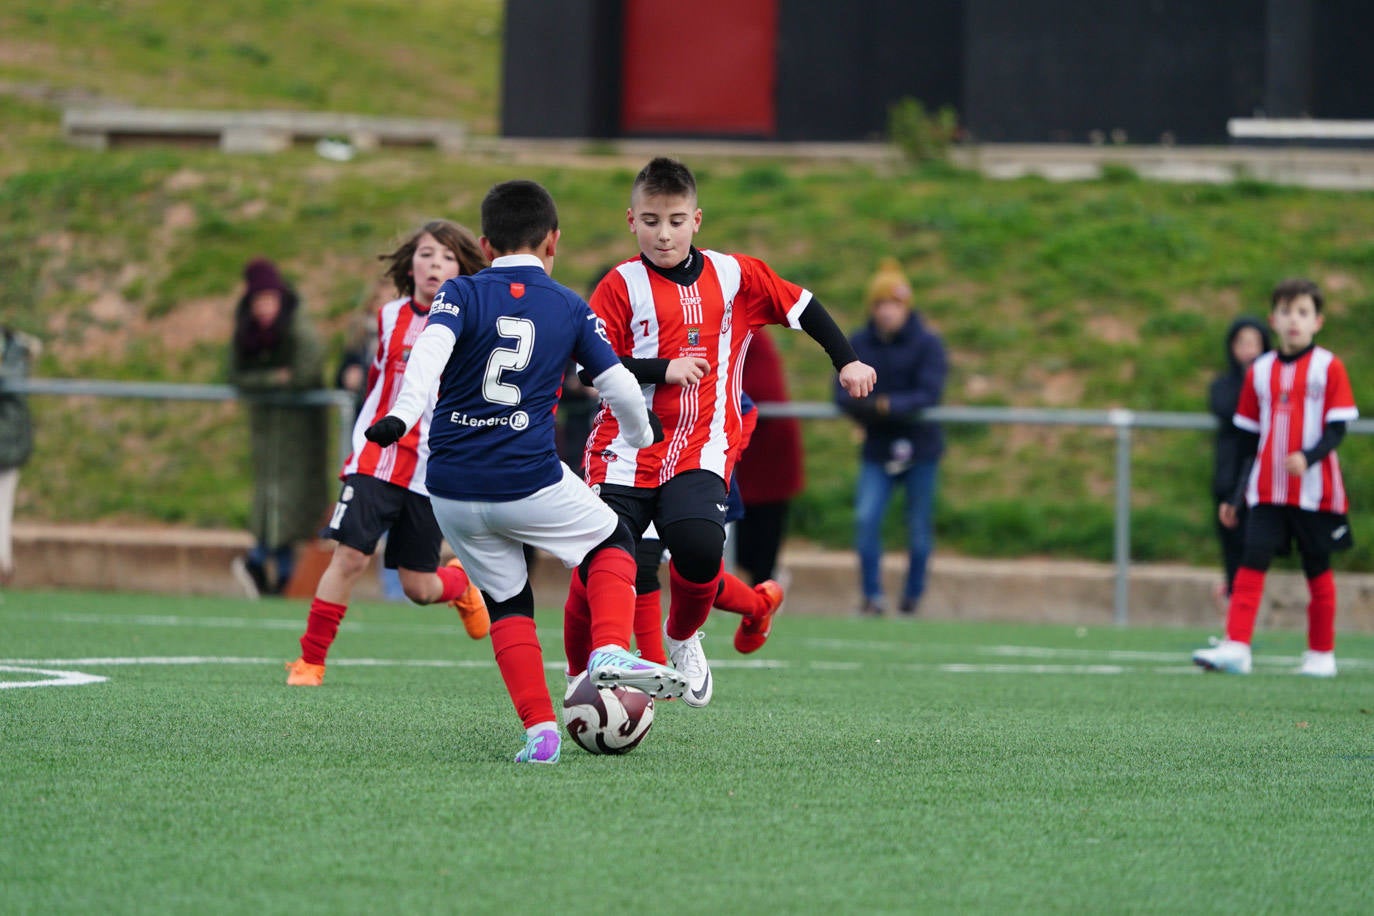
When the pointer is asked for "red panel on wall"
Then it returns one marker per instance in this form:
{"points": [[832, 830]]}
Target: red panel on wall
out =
{"points": [[706, 68]]}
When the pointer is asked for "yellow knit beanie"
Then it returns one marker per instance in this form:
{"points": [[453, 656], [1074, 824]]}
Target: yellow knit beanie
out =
{"points": [[888, 283]]}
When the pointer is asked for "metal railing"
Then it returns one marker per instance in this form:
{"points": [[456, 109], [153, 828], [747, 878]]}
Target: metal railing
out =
{"points": [[1121, 420], [341, 401]]}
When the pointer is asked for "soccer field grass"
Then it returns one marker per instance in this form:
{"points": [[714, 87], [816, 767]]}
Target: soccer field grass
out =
{"points": [[850, 766]]}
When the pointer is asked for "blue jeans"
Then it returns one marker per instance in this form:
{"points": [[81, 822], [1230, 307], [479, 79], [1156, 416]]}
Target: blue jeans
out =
{"points": [[874, 492]]}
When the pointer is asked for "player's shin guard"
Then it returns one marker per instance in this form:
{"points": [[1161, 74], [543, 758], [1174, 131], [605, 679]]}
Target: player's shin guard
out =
{"points": [[1321, 613], [1246, 592], [577, 625], [736, 597], [649, 627], [521, 661], [689, 603], [320, 629], [611, 596]]}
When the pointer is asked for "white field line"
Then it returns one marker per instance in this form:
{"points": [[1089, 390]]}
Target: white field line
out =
{"points": [[1123, 655], [49, 678], [237, 623]]}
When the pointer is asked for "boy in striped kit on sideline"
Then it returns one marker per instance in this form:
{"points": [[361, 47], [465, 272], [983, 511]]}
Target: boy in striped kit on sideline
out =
{"points": [[1296, 400], [384, 487]]}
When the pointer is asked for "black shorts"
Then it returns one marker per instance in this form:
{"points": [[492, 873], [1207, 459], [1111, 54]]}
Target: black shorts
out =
{"points": [[369, 508], [1275, 529], [691, 494]]}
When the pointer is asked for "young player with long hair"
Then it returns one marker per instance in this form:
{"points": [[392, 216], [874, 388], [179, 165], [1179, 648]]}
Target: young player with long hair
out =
{"points": [[384, 486]]}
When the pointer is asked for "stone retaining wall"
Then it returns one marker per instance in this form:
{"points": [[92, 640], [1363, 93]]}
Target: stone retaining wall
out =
{"points": [[197, 562]]}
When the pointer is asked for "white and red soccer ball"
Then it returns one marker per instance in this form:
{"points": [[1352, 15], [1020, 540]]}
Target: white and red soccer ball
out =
{"points": [[606, 720]]}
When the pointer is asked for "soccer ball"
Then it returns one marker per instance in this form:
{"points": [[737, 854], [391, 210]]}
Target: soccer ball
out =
{"points": [[606, 720]]}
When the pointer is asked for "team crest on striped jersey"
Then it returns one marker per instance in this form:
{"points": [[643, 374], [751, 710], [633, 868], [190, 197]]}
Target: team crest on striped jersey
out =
{"points": [[693, 336]]}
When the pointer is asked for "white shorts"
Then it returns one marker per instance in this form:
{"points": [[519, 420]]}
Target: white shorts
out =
{"points": [[565, 519]]}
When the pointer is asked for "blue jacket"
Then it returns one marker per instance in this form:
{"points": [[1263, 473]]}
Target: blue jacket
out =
{"points": [[911, 368]]}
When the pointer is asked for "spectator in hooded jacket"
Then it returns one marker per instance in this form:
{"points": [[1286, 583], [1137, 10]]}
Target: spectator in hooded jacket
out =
{"points": [[275, 355], [1246, 339], [899, 449]]}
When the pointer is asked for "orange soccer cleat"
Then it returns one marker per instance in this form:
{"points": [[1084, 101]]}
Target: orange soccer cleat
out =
{"points": [[301, 673], [753, 630], [471, 607]]}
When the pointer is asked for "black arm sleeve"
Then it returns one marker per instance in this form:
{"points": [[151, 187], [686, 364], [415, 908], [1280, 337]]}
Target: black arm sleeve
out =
{"points": [[1332, 436], [818, 324], [645, 371]]}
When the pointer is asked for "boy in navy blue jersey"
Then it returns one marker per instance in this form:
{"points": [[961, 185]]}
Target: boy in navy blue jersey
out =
{"points": [[496, 345]]}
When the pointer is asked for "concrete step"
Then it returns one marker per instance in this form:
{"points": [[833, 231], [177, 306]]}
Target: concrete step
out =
{"points": [[197, 562]]}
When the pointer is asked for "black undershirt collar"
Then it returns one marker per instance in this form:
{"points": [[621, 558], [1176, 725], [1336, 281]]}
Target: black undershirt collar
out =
{"points": [[1286, 358], [684, 274]]}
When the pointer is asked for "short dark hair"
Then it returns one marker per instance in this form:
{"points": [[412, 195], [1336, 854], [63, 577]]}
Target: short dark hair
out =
{"points": [[666, 177], [518, 215], [1292, 288]]}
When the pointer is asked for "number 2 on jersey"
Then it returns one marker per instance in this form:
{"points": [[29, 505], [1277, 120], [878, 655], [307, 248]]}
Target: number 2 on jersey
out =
{"points": [[508, 359]]}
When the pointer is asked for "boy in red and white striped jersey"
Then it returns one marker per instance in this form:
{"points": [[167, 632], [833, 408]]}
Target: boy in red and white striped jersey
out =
{"points": [[1296, 400], [681, 318], [384, 487]]}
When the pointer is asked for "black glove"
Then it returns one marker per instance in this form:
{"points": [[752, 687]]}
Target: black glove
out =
{"points": [[656, 425], [386, 430]]}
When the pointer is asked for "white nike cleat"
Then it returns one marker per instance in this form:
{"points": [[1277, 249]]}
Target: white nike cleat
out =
{"points": [[688, 658], [1227, 656], [1318, 664]]}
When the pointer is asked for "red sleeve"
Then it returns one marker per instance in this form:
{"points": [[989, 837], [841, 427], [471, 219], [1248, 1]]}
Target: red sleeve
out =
{"points": [[611, 302], [1248, 406], [766, 297], [1340, 398]]}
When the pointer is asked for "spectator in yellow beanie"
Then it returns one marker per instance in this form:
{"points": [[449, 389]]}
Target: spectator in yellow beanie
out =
{"points": [[899, 448]]}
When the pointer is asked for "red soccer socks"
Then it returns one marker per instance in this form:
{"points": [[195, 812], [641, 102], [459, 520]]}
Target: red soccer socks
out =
{"points": [[1321, 613], [516, 646], [1246, 592], [320, 629]]}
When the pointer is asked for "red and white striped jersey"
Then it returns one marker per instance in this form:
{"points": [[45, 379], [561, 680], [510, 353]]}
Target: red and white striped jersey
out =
{"points": [[399, 322], [1289, 404], [648, 316]]}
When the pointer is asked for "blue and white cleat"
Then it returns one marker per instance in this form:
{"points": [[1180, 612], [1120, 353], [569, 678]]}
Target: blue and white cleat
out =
{"points": [[541, 747], [611, 665], [1227, 657]]}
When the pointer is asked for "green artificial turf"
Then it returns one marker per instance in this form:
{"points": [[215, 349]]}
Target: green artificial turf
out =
{"points": [[850, 766]]}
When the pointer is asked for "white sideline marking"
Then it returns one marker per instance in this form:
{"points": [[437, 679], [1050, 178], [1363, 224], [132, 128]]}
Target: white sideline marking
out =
{"points": [[50, 678], [1032, 669], [1126, 655], [238, 623]]}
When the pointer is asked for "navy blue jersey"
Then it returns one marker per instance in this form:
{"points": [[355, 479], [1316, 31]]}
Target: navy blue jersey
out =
{"points": [[492, 436]]}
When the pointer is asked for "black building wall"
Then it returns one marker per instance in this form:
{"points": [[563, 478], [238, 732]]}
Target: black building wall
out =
{"points": [[560, 69], [841, 65], [1056, 70], [1016, 70], [1342, 59]]}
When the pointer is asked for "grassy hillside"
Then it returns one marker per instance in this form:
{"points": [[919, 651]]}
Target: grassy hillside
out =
{"points": [[1097, 294]]}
